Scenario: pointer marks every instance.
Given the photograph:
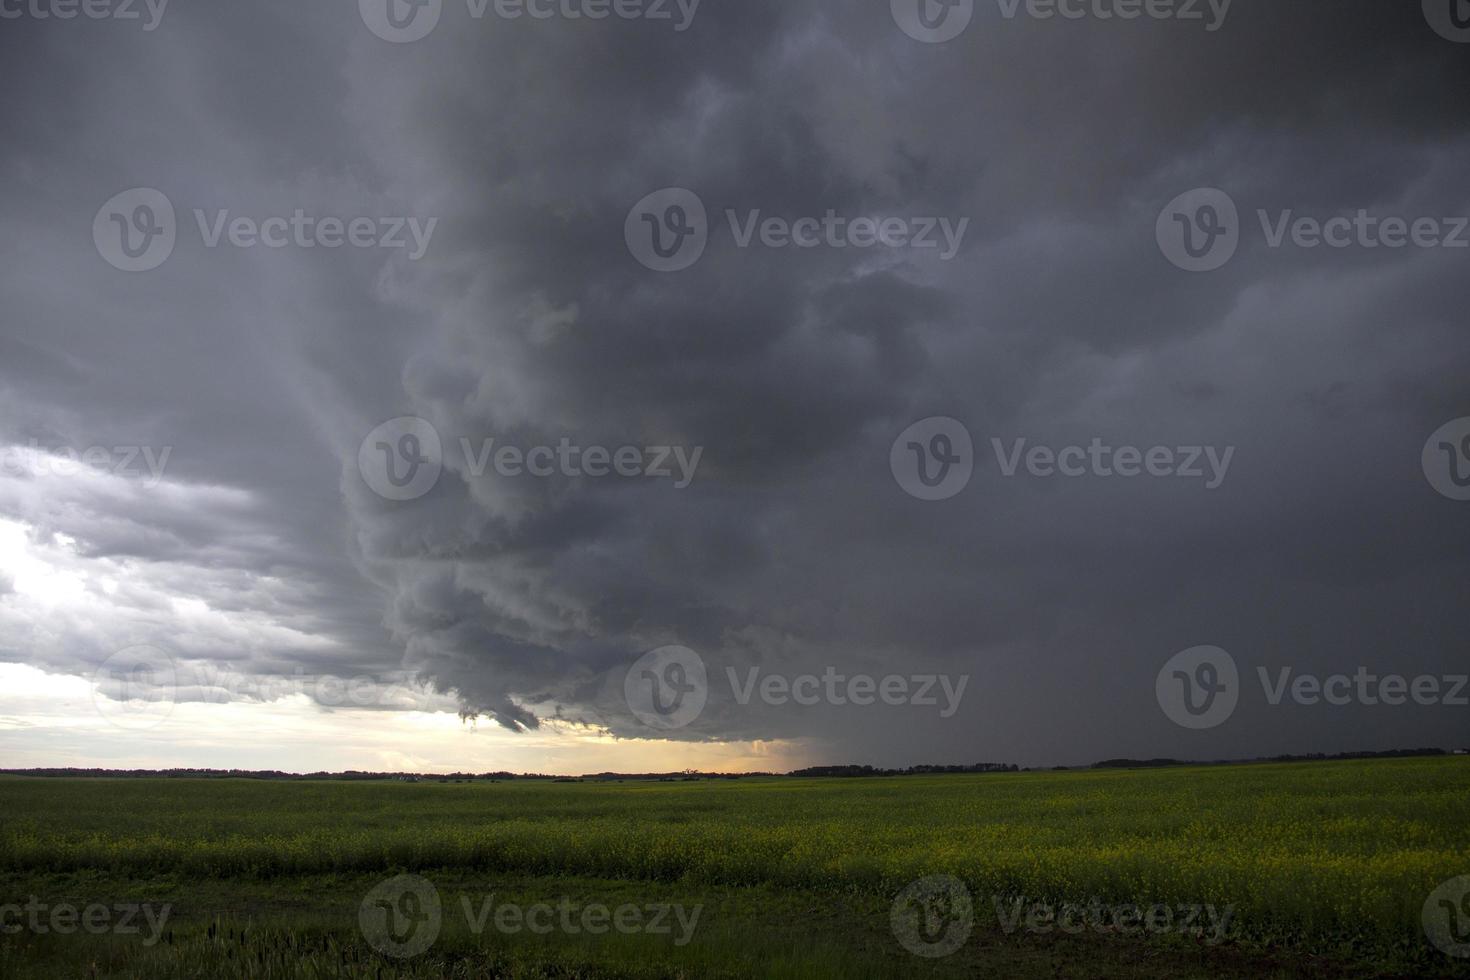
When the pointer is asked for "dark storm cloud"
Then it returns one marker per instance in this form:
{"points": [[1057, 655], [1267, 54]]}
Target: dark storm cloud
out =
{"points": [[529, 321]]}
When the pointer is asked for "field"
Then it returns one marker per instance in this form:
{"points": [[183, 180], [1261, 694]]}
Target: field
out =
{"points": [[1314, 869]]}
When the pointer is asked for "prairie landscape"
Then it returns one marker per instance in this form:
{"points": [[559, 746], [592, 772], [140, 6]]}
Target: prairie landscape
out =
{"points": [[674, 489], [1291, 870]]}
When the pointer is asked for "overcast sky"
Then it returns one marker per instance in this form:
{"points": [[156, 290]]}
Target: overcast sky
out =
{"points": [[254, 513]]}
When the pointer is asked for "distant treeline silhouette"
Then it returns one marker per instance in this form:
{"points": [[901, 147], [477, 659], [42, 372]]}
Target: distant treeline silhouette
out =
{"points": [[691, 774], [1309, 757], [910, 771]]}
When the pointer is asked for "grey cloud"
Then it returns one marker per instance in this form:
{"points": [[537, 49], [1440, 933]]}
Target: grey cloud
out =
{"points": [[529, 321]]}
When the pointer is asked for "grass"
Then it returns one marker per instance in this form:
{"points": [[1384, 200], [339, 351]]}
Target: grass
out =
{"points": [[1327, 867]]}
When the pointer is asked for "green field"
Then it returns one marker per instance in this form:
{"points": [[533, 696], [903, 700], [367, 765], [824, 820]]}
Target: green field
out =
{"points": [[1325, 868]]}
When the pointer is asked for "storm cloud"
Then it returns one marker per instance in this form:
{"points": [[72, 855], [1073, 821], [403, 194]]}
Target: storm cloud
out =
{"points": [[529, 320]]}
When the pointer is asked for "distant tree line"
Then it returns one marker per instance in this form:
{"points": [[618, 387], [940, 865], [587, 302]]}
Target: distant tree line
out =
{"points": [[910, 771], [1309, 757], [689, 774]]}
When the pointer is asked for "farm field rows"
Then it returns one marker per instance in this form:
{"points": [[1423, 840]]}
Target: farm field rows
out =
{"points": [[1308, 869]]}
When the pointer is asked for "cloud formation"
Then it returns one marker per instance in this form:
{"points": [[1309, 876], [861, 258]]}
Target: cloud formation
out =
{"points": [[529, 321]]}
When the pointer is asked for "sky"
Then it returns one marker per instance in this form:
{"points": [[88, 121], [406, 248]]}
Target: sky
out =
{"points": [[734, 385]]}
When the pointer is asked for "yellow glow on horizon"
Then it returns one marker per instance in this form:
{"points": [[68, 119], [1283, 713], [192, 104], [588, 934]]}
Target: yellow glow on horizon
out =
{"points": [[51, 720]]}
